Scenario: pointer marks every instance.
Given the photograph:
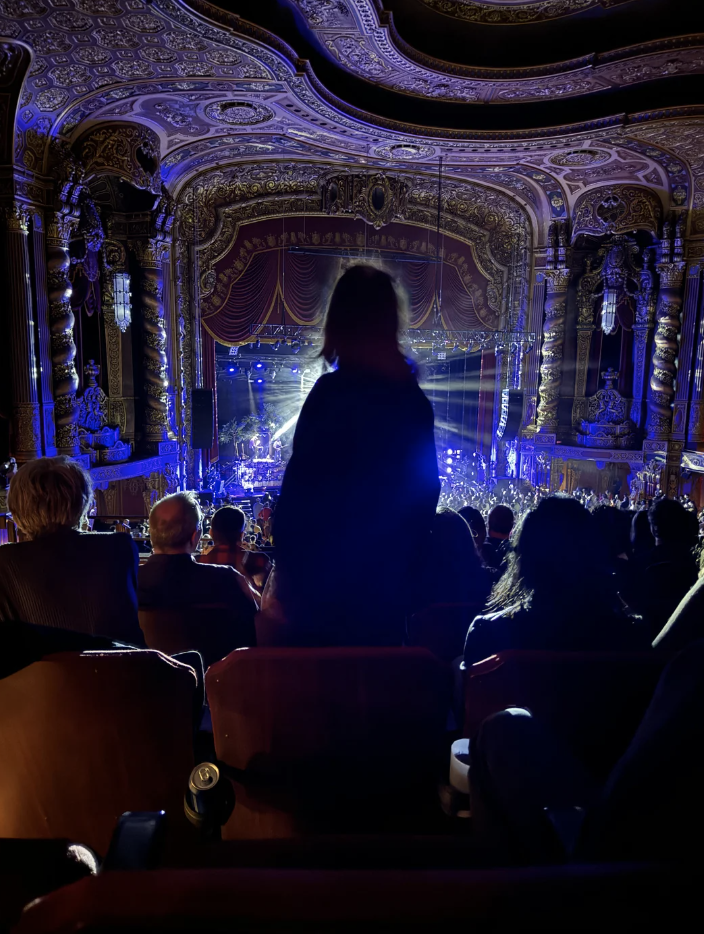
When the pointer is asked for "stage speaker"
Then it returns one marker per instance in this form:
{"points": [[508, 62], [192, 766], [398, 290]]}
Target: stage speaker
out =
{"points": [[202, 418], [513, 400]]}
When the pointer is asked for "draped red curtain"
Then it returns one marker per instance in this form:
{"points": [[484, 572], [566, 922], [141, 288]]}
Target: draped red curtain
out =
{"points": [[260, 281]]}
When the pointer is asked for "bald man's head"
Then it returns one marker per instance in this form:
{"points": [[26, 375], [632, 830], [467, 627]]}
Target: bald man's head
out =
{"points": [[175, 523]]}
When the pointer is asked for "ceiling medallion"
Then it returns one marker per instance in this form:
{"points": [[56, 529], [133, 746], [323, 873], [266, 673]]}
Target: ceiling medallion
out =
{"points": [[580, 157], [406, 152], [238, 113]]}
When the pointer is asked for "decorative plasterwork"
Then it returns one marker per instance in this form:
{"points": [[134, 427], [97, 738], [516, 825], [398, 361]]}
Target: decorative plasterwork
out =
{"points": [[514, 12], [353, 34], [616, 209], [684, 138], [126, 150], [213, 206]]}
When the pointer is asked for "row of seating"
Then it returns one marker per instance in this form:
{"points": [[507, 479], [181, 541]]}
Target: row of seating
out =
{"points": [[313, 740]]}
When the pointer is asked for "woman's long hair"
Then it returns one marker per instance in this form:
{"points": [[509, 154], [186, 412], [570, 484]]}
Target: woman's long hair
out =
{"points": [[364, 318], [556, 559]]}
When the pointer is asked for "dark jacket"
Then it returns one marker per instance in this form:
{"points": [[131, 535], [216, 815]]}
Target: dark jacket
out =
{"points": [[546, 631], [82, 581], [364, 466], [179, 581]]}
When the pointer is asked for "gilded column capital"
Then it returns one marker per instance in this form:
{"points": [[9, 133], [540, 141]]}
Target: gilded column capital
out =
{"points": [[60, 225], [671, 274], [16, 217], [557, 280], [151, 253]]}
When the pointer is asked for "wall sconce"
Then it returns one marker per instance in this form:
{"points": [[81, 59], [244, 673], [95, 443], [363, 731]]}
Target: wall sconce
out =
{"points": [[121, 300]]}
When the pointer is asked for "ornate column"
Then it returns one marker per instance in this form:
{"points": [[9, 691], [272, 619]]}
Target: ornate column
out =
{"points": [[530, 401], [156, 427], [695, 428], [41, 298], [62, 321], [557, 281], [26, 441], [585, 331], [685, 373], [664, 369]]}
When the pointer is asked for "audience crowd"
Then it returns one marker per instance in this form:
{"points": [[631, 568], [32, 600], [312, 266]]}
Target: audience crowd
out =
{"points": [[549, 573]]}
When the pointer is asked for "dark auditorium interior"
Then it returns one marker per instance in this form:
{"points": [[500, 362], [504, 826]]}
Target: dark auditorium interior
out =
{"points": [[351, 465]]}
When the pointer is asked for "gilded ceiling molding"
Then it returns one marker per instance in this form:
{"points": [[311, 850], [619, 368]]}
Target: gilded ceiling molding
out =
{"points": [[356, 36], [684, 138], [616, 209], [503, 13]]}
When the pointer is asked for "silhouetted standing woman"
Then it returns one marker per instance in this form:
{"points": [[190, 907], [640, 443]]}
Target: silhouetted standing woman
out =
{"points": [[360, 491]]}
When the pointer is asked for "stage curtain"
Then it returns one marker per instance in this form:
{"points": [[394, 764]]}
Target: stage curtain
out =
{"points": [[417, 281], [210, 382], [250, 300], [457, 306], [307, 282]]}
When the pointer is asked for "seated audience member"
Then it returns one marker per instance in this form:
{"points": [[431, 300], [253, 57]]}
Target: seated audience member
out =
{"points": [[647, 810], [476, 523], [556, 593], [495, 548], [172, 578], [613, 526], [455, 573], [661, 577], [642, 540], [57, 576], [226, 530]]}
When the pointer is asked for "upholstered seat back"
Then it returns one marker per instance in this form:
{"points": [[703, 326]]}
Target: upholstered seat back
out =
{"points": [[208, 629], [595, 700], [315, 729], [86, 737]]}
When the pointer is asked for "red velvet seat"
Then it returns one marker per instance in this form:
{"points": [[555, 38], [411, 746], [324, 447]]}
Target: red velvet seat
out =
{"points": [[324, 738], [86, 737], [559, 899], [594, 700], [442, 628], [208, 629]]}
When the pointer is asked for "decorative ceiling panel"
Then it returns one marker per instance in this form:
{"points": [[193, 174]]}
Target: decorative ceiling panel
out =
{"points": [[354, 36], [515, 12]]}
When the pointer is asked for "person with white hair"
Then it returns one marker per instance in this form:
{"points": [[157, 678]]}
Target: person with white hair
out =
{"points": [[56, 575], [171, 577]]}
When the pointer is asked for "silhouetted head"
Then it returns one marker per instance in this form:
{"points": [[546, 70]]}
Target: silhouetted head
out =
{"points": [[556, 557], [475, 521], [48, 494], [227, 525], [363, 319], [175, 524], [672, 524], [642, 539], [501, 521], [613, 526]]}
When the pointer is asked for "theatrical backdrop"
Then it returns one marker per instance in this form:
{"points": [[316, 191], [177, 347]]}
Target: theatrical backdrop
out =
{"points": [[182, 183]]}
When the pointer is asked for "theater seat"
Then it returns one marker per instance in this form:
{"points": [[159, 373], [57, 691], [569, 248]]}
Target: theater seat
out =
{"points": [[442, 628], [555, 899], [328, 739], [86, 737], [208, 629], [594, 700]]}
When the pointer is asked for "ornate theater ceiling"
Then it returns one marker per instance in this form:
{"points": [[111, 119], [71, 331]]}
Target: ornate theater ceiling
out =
{"points": [[336, 83]]}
